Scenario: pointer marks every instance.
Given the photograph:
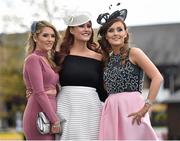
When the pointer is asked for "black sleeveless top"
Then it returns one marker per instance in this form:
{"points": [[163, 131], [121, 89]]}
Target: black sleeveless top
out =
{"points": [[83, 71], [126, 77]]}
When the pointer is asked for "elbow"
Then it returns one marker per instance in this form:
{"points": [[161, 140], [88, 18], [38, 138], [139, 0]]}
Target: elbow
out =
{"points": [[161, 79], [158, 78]]}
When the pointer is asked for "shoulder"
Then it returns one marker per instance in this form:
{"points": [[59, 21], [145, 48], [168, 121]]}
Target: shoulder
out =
{"points": [[32, 58], [96, 51], [136, 54], [96, 55], [136, 51]]}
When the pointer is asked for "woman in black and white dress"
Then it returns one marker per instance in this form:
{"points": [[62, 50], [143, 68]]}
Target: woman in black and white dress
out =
{"points": [[79, 101]]}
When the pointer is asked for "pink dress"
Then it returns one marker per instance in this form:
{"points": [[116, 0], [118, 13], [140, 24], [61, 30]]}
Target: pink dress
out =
{"points": [[124, 83], [38, 77], [115, 123]]}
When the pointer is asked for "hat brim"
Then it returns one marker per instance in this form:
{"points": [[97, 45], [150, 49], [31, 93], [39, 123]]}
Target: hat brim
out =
{"points": [[77, 20]]}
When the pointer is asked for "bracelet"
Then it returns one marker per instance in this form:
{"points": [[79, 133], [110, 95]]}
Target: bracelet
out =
{"points": [[56, 126], [149, 102]]}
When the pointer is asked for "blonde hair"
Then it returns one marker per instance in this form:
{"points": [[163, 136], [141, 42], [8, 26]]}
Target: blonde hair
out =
{"points": [[36, 28]]}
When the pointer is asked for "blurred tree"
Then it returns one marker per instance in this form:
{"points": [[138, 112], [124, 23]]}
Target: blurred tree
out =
{"points": [[12, 89], [42, 9]]}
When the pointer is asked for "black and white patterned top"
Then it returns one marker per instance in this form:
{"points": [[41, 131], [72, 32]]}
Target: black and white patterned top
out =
{"points": [[125, 77]]}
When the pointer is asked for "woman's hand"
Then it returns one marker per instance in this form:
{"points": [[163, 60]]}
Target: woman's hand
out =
{"points": [[28, 93], [138, 115], [56, 128]]}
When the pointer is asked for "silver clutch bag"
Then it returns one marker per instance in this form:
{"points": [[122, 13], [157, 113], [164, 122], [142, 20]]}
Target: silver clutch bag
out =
{"points": [[43, 124]]}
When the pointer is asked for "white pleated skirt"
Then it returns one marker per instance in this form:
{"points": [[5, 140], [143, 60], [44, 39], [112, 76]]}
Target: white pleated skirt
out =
{"points": [[81, 108]]}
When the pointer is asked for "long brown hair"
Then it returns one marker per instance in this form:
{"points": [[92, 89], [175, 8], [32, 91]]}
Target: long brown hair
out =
{"points": [[105, 46], [67, 43]]}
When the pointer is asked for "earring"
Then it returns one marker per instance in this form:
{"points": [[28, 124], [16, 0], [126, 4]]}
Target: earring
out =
{"points": [[34, 39], [71, 31]]}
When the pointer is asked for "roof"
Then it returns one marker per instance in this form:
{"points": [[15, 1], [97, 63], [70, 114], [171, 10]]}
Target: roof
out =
{"points": [[160, 42]]}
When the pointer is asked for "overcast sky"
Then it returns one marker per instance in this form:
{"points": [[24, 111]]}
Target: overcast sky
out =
{"points": [[140, 12]]}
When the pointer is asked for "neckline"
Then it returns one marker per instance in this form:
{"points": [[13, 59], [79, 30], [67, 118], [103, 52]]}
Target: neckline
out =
{"points": [[119, 54], [90, 58], [41, 53]]}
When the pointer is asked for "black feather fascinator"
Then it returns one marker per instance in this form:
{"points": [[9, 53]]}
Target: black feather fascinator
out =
{"points": [[106, 17]]}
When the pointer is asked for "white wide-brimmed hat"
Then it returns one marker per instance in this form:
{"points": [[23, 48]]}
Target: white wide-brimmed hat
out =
{"points": [[76, 18]]}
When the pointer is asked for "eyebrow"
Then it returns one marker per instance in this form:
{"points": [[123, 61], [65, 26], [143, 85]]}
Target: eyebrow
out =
{"points": [[47, 33]]}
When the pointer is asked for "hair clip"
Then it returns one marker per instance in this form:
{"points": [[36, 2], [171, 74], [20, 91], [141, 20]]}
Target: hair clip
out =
{"points": [[34, 26]]}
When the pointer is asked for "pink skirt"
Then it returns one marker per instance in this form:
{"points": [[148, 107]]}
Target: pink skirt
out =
{"points": [[115, 123]]}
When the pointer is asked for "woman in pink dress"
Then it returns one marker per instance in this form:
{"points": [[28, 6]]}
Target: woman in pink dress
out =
{"points": [[40, 79], [125, 112]]}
